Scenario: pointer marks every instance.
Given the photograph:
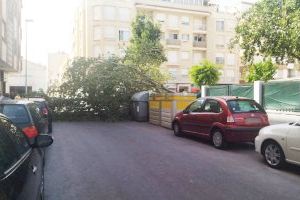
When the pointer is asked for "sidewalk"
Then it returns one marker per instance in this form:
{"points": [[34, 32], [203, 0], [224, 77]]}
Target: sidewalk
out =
{"points": [[280, 117]]}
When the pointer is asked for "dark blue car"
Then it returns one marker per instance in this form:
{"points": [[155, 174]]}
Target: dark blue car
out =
{"points": [[21, 164]]}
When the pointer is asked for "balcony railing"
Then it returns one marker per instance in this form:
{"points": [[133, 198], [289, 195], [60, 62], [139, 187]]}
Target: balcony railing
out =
{"points": [[199, 44], [200, 27], [173, 42]]}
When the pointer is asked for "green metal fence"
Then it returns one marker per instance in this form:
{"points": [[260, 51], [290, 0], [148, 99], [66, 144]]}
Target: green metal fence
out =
{"points": [[218, 90], [282, 96], [231, 90], [242, 91]]}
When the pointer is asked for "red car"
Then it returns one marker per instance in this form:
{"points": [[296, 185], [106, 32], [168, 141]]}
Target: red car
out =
{"points": [[222, 119]]}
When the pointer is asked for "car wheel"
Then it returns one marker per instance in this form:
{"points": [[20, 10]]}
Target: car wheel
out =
{"points": [[218, 140], [273, 155], [177, 129]]}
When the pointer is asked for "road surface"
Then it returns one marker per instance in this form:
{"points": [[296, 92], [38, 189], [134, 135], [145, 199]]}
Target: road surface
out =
{"points": [[139, 161]]}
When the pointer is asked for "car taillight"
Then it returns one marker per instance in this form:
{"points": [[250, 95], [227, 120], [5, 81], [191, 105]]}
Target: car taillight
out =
{"points": [[265, 119], [30, 131], [45, 111], [230, 119]]}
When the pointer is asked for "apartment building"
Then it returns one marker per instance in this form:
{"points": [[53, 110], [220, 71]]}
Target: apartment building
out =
{"points": [[192, 31], [10, 45], [36, 79]]}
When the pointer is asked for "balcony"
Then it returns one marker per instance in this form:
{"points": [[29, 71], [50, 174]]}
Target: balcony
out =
{"points": [[200, 28], [199, 44], [173, 42]]}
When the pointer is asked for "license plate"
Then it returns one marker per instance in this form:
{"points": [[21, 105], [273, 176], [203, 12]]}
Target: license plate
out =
{"points": [[253, 121]]}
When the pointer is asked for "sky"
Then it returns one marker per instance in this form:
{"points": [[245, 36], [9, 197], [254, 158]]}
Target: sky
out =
{"points": [[51, 29]]}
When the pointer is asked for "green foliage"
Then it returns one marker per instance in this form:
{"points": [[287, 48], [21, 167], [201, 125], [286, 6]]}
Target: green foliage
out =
{"points": [[270, 29], [145, 50], [263, 71], [207, 73], [99, 88]]}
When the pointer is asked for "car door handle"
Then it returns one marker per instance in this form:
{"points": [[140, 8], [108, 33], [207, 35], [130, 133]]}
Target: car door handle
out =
{"points": [[34, 169]]}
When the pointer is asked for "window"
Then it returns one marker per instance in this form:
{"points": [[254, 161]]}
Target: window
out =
{"points": [[124, 35], [196, 106], [109, 32], [16, 113], [35, 113], [12, 145], [109, 13], [220, 41], [173, 21], [220, 26], [185, 20], [173, 72], [172, 57], [220, 59], [212, 106], [97, 13], [173, 36], [17, 137], [124, 14], [231, 59], [97, 33], [244, 106], [199, 38], [160, 17], [185, 37], [185, 55]]}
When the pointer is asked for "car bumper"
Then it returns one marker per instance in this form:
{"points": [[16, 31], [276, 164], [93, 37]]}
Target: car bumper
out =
{"points": [[258, 143], [241, 134]]}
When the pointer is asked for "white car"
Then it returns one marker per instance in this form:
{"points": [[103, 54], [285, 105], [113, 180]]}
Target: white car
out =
{"points": [[279, 144]]}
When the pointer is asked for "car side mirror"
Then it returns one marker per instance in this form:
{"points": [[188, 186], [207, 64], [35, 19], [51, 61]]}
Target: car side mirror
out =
{"points": [[43, 141]]}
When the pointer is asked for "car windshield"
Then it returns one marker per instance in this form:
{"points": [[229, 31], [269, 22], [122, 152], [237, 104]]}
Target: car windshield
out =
{"points": [[16, 113], [244, 106]]}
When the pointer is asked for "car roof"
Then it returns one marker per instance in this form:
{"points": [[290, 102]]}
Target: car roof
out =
{"points": [[37, 99], [19, 102], [226, 98]]}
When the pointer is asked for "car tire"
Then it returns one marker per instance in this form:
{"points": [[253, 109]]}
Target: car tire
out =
{"points": [[177, 129], [218, 139], [273, 155]]}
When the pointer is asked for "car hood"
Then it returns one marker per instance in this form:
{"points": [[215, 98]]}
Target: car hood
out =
{"points": [[278, 129]]}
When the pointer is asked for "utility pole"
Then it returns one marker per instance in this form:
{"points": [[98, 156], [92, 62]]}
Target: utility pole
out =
{"points": [[26, 46]]}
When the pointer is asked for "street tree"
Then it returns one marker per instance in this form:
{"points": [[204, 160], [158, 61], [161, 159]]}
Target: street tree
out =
{"points": [[100, 88], [206, 73], [264, 71], [270, 28], [145, 50]]}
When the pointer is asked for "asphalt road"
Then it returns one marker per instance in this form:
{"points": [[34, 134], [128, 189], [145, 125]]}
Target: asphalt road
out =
{"points": [[139, 161]]}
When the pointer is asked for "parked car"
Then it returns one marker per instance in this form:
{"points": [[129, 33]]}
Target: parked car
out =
{"points": [[222, 120], [26, 115], [46, 112], [21, 164], [279, 144]]}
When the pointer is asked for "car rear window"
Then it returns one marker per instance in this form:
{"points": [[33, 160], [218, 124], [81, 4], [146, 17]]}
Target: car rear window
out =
{"points": [[244, 106], [16, 113]]}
